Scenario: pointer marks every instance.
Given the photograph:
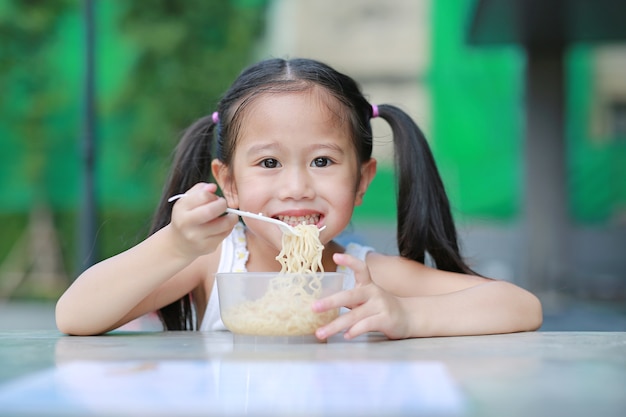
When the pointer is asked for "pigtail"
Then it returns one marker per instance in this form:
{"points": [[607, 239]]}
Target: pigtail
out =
{"points": [[425, 222], [192, 164]]}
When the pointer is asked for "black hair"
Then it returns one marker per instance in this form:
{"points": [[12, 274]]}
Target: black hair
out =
{"points": [[425, 224]]}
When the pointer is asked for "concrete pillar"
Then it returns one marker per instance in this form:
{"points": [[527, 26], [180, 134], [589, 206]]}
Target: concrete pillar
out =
{"points": [[545, 177]]}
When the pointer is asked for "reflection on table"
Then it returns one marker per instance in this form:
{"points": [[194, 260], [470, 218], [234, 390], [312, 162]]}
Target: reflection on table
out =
{"points": [[193, 373]]}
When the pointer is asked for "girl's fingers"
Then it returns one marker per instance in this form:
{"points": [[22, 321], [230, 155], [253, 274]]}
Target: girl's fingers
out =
{"points": [[372, 308], [351, 298], [198, 195], [354, 299], [333, 327], [208, 211], [200, 204], [348, 299], [221, 227], [356, 322], [361, 272], [199, 221]]}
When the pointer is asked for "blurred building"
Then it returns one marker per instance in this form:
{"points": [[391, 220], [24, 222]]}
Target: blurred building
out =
{"points": [[470, 103], [469, 100]]}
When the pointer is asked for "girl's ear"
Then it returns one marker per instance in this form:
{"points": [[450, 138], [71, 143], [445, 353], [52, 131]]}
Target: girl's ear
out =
{"points": [[224, 179], [368, 171]]}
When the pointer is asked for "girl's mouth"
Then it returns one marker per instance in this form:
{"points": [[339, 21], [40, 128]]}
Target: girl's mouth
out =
{"points": [[296, 220]]}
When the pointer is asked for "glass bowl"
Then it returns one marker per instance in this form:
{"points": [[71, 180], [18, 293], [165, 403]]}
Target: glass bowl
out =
{"points": [[274, 304]]}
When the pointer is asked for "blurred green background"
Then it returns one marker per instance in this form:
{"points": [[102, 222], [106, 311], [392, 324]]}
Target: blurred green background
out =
{"points": [[159, 66], [162, 64]]}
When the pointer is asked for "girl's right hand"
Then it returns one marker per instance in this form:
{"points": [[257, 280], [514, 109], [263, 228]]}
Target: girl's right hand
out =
{"points": [[198, 221]]}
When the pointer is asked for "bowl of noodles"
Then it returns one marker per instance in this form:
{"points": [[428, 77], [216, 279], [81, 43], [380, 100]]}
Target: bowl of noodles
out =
{"points": [[279, 304], [276, 304]]}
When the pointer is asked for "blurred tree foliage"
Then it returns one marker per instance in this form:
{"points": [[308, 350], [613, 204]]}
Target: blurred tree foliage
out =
{"points": [[160, 65], [29, 98], [186, 54]]}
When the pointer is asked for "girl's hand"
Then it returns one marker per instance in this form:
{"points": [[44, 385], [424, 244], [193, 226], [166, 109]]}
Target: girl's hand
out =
{"points": [[372, 308], [198, 223]]}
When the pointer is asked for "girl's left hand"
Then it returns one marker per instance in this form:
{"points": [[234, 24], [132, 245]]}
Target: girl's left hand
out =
{"points": [[372, 308]]}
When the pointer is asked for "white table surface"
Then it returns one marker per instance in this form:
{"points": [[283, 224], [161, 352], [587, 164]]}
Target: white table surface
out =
{"points": [[195, 373]]}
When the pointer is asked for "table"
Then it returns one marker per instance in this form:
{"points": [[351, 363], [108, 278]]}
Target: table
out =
{"points": [[522, 374]]}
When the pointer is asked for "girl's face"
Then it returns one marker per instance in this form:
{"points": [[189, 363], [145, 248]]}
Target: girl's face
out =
{"points": [[295, 161]]}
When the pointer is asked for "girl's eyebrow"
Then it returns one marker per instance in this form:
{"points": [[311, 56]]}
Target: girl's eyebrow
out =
{"points": [[273, 146], [331, 146], [262, 147]]}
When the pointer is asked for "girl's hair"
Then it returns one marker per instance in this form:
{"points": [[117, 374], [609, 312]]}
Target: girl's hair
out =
{"points": [[424, 221]]}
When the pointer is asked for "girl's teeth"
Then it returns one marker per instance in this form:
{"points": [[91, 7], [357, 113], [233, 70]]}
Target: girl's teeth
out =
{"points": [[295, 220]]}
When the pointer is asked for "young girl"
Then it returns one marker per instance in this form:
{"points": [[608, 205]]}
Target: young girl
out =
{"points": [[292, 140]]}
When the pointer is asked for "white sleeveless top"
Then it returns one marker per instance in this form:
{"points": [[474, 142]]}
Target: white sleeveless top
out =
{"points": [[234, 257]]}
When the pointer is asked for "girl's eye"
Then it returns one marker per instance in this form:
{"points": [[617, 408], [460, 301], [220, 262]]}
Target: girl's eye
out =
{"points": [[321, 162], [270, 163]]}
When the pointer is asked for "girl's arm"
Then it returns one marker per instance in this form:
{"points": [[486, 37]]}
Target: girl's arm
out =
{"points": [[154, 273], [489, 308], [124, 287], [404, 299]]}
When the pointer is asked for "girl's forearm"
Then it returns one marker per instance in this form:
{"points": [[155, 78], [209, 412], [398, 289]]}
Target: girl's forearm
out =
{"points": [[116, 290], [489, 308]]}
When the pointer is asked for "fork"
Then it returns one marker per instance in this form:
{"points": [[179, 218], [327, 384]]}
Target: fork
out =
{"points": [[284, 227]]}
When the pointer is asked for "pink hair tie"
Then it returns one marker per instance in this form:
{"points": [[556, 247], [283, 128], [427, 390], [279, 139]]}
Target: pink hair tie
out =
{"points": [[216, 117], [374, 110]]}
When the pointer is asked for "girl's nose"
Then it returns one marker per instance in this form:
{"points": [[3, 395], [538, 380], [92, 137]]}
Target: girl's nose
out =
{"points": [[296, 184]]}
